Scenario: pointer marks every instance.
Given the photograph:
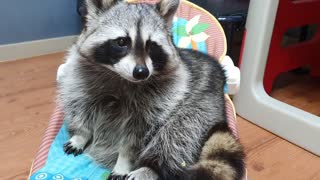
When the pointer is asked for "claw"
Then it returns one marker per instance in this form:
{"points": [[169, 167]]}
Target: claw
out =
{"points": [[69, 149], [77, 152]]}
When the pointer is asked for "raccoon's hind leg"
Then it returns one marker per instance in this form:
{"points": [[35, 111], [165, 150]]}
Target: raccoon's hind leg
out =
{"points": [[173, 148]]}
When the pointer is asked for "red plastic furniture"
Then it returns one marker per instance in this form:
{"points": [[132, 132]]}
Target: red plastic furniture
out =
{"points": [[293, 14]]}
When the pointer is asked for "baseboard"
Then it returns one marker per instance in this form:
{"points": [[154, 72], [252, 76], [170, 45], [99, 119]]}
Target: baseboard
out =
{"points": [[35, 48]]}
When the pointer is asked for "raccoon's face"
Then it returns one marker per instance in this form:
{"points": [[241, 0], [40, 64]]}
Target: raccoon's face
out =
{"points": [[130, 39]]}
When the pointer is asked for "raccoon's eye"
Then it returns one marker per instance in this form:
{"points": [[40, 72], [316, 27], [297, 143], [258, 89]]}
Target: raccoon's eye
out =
{"points": [[121, 42]]}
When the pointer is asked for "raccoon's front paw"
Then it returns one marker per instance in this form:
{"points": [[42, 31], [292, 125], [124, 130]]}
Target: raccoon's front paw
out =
{"points": [[75, 145], [143, 173], [71, 149], [114, 176]]}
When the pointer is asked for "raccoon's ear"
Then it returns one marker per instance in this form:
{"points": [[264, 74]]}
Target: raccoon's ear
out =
{"points": [[167, 9], [95, 7]]}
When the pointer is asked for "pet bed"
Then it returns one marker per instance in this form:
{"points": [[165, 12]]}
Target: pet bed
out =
{"points": [[193, 28]]}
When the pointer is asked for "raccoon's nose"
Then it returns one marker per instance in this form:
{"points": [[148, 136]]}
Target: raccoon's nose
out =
{"points": [[140, 72]]}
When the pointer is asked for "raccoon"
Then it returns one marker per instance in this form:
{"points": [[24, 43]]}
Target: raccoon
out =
{"points": [[137, 104]]}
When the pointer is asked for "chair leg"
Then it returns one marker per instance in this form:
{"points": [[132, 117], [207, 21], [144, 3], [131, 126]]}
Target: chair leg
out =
{"points": [[269, 79], [315, 70]]}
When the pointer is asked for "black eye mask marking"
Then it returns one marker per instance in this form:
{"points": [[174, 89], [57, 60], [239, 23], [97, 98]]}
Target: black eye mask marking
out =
{"points": [[112, 51], [157, 54]]}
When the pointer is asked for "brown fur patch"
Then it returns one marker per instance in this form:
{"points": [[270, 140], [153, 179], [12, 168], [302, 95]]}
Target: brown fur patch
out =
{"points": [[218, 142], [218, 169]]}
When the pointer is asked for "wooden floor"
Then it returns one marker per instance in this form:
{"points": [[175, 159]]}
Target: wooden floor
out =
{"points": [[27, 91]]}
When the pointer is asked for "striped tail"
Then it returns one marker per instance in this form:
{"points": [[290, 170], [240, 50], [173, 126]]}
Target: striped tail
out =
{"points": [[222, 158]]}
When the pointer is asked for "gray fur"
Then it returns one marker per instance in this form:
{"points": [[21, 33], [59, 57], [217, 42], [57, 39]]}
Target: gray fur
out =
{"points": [[160, 123]]}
